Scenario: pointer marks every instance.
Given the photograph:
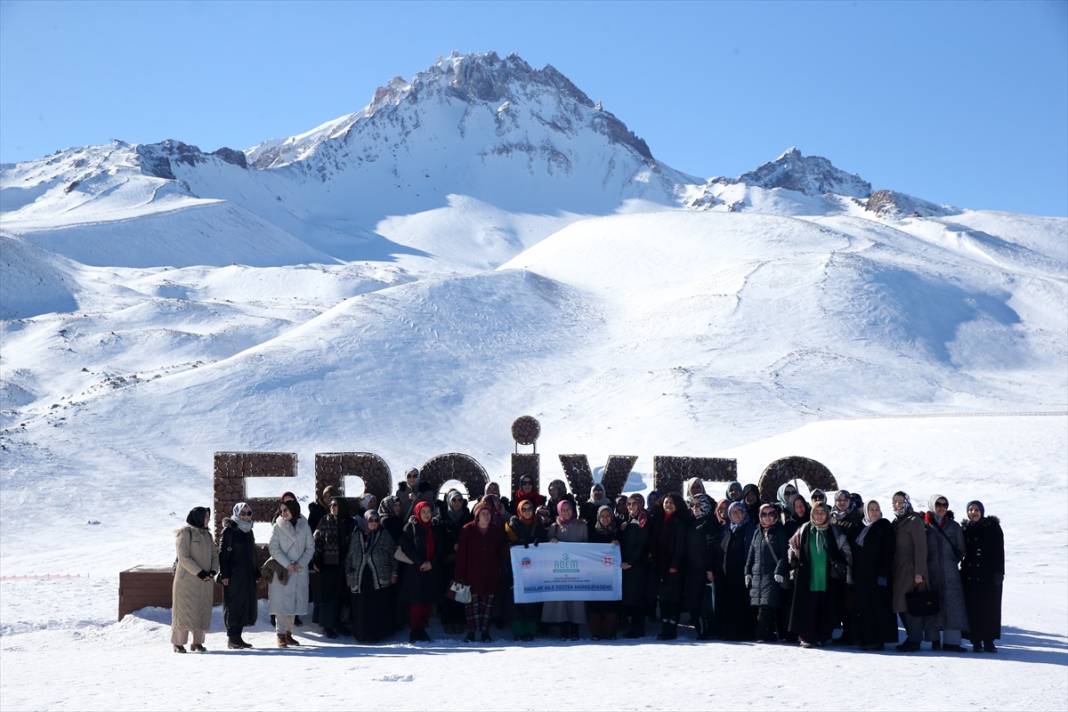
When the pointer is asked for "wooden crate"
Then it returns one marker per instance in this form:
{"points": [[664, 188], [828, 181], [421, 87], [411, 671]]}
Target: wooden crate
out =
{"points": [[144, 586]]}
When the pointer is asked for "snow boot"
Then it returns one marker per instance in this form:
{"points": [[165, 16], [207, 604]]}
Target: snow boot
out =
{"points": [[179, 648], [282, 642], [290, 640], [198, 648]]}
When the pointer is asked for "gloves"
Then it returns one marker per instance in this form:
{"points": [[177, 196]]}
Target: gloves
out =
{"points": [[881, 581], [748, 581], [779, 578], [203, 575]]}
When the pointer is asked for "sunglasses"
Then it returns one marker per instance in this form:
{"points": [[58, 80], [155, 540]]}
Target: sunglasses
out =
{"points": [[246, 514], [767, 515]]}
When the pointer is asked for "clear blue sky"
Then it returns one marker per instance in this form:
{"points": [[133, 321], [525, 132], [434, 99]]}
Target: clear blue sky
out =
{"points": [[958, 102]]}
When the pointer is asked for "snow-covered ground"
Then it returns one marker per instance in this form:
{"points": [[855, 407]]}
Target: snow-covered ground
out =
{"points": [[63, 630]]}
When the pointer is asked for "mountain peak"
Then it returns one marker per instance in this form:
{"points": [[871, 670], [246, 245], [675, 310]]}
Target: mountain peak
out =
{"points": [[812, 175]]}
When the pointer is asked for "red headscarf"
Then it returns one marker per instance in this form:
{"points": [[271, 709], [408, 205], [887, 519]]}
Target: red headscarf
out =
{"points": [[427, 528]]}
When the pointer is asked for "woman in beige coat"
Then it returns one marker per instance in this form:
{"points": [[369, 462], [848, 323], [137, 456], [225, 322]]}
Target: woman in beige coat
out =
{"points": [[193, 589]]}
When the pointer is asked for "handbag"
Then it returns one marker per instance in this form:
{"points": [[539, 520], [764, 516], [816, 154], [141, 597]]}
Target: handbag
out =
{"points": [[459, 592], [923, 602], [400, 556]]}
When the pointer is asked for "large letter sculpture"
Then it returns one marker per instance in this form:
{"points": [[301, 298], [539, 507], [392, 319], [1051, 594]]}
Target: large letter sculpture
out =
{"points": [[670, 472], [580, 476], [811, 472], [331, 469]]}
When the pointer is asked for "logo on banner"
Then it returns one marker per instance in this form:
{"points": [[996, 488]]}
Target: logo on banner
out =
{"points": [[525, 562], [608, 560], [568, 564]]}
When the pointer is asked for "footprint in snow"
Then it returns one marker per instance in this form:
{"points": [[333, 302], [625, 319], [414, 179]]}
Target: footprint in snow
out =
{"points": [[396, 678]]}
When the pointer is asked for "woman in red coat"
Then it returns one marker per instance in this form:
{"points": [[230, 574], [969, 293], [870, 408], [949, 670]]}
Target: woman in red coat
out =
{"points": [[479, 558]]}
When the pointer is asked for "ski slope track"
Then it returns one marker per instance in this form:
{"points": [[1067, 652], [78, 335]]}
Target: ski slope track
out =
{"points": [[478, 242]]}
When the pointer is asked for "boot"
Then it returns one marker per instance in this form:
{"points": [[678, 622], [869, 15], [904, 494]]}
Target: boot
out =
{"points": [[243, 643], [282, 642], [977, 646], [179, 648], [290, 640], [990, 647], [668, 631], [198, 648], [232, 644]]}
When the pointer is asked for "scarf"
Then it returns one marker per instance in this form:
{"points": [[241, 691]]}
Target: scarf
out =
{"points": [[820, 532], [244, 526], [427, 529], [610, 530], [195, 518]]}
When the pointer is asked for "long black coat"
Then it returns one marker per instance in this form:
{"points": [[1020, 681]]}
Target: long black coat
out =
{"points": [[702, 544], [873, 574], [634, 542], [801, 561], [982, 573], [237, 562], [421, 586], [669, 552], [767, 557]]}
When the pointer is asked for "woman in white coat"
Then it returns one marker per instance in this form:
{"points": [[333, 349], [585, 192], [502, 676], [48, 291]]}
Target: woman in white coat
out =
{"points": [[292, 548]]}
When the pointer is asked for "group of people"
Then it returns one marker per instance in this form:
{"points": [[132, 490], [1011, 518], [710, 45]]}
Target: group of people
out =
{"points": [[792, 570]]}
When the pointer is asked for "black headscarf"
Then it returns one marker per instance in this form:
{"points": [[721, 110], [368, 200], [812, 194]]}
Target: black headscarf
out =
{"points": [[196, 517]]}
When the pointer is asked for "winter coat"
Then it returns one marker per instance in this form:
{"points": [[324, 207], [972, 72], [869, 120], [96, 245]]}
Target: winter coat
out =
{"points": [[849, 523], [873, 569], [290, 544], [982, 574], [520, 533], [316, 512], [634, 544], [421, 586], [766, 559], [588, 512], [373, 551], [566, 611], [702, 544], [237, 564], [480, 557], [800, 560], [192, 597], [910, 557], [943, 566]]}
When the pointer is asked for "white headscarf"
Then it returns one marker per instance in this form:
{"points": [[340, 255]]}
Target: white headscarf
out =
{"points": [[236, 517]]}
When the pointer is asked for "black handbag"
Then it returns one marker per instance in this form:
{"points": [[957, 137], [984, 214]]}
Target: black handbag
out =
{"points": [[921, 603]]}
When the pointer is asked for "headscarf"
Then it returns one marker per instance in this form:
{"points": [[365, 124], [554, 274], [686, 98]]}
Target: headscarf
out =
{"points": [[820, 530], [848, 498], [736, 485], [519, 511], [932, 517], [428, 529], [287, 494], [195, 518], [705, 504], [696, 487], [599, 501], [643, 514], [294, 509], [560, 486], [612, 529], [329, 492], [368, 501], [750, 489], [454, 514], [773, 510], [738, 505], [484, 504], [793, 514], [780, 495], [868, 521], [908, 504], [385, 507], [721, 511], [976, 503], [817, 493], [560, 512], [236, 517]]}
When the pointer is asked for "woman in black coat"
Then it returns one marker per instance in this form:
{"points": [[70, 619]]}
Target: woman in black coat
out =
{"points": [[331, 546], [982, 573], [796, 515], [421, 542], [766, 572], [371, 572], [604, 615], [525, 529], [733, 614], [239, 573], [873, 570], [702, 543], [456, 517], [634, 541], [819, 561], [669, 556]]}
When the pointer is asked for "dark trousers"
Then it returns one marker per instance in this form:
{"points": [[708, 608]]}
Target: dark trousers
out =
{"points": [[767, 627]]}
